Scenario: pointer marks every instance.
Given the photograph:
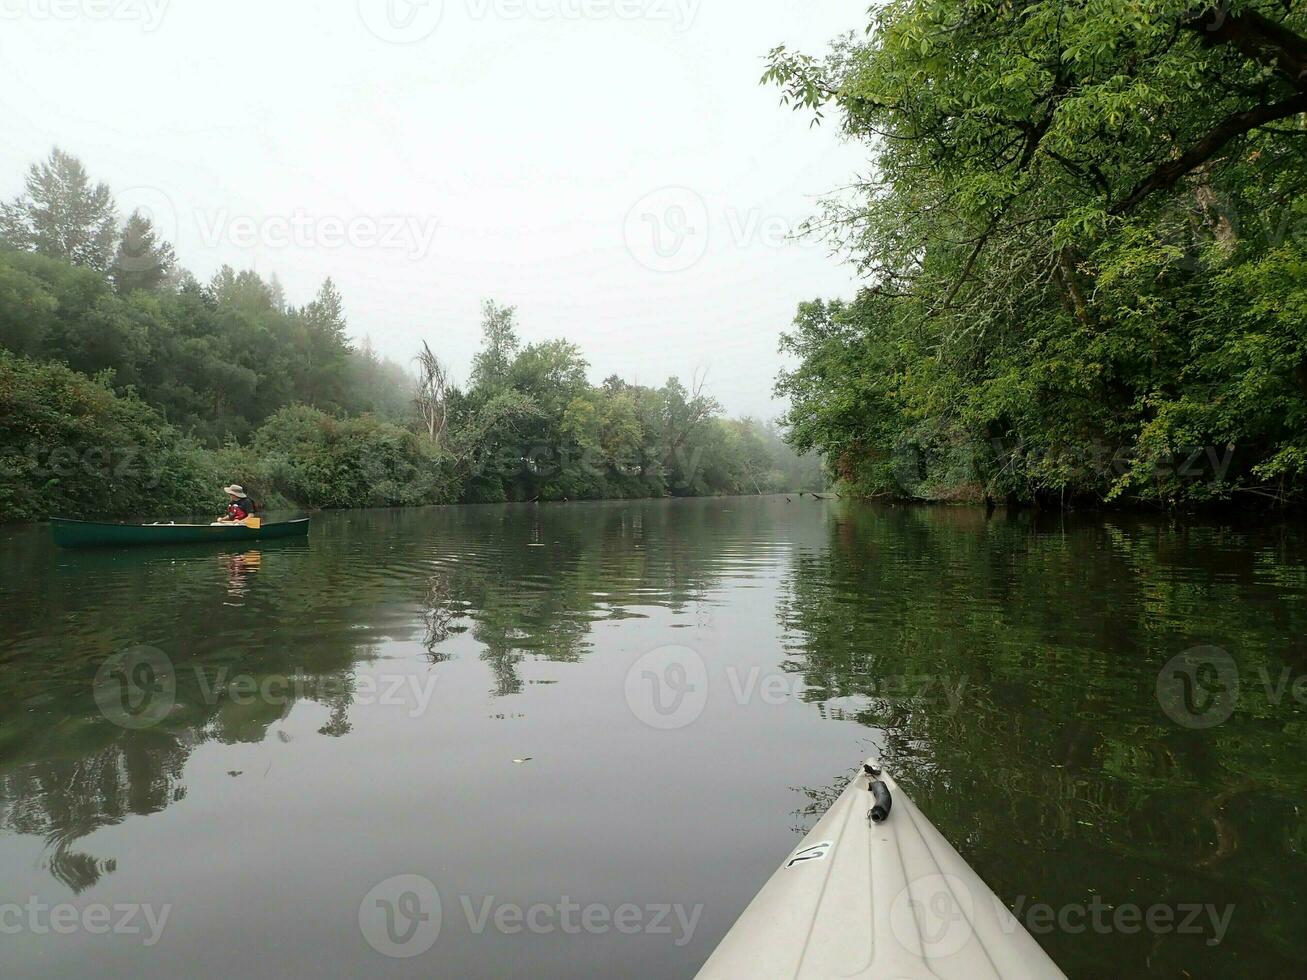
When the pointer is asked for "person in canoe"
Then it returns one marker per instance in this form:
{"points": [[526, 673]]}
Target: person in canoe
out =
{"points": [[239, 508]]}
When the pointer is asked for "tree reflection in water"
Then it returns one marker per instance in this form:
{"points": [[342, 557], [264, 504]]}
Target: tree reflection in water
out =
{"points": [[1038, 748], [1058, 776], [291, 611]]}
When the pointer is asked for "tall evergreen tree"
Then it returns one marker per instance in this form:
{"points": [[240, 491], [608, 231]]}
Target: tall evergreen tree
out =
{"points": [[62, 214], [278, 293], [143, 260], [324, 370], [325, 315]]}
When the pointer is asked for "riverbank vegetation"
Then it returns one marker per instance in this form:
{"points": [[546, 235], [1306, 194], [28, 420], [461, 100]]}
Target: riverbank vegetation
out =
{"points": [[1084, 228], [128, 387]]}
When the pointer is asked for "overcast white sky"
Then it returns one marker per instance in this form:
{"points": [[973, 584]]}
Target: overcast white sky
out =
{"points": [[610, 167]]}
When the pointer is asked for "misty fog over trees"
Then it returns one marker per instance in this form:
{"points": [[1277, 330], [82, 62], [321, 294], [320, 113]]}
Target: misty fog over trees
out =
{"points": [[129, 387]]}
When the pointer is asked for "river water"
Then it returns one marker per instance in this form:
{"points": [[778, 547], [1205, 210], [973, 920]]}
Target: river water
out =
{"points": [[573, 740]]}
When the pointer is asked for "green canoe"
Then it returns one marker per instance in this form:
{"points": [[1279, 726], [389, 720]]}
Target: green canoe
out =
{"points": [[91, 534]]}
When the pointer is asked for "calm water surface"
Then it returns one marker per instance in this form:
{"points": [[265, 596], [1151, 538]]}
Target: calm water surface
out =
{"points": [[259, 742]]}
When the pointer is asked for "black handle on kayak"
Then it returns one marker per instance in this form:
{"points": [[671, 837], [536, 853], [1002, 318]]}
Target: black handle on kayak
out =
{"points": [[883, 802]]}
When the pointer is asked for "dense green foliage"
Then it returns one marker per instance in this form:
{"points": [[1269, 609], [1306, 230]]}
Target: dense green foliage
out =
{"points": [[1085, 237], [215, 360], [320, 461], [206, 384], [69, 445], [532, 427]]}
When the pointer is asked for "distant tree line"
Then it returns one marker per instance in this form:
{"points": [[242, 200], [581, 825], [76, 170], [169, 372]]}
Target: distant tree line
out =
{"points": [[129, 387], [1084, 232]]}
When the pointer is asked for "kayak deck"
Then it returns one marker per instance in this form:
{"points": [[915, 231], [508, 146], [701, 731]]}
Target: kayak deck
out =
{"points": [[89, 534], [887, 900]]}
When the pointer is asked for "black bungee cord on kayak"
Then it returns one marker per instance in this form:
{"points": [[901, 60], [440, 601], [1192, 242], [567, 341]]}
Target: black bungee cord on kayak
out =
{"points": [[880, 808]]}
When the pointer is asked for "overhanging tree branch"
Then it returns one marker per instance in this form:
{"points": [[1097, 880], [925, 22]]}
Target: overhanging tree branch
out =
{"points": [[1167, 174], [1258, 38]]}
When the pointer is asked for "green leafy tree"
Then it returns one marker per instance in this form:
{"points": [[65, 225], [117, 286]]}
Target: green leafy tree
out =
{"points": [[62, 214], [684, 417], [498, 348], [27, 309], [1073, 279], [70, 446], [250, 387], [319, 461], [323, 364]]}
